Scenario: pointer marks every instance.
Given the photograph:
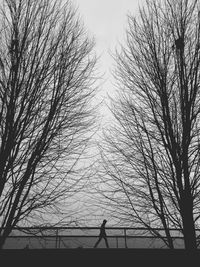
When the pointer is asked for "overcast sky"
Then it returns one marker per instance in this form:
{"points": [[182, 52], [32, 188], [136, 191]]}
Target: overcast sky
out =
{"points": [[106, 20]]}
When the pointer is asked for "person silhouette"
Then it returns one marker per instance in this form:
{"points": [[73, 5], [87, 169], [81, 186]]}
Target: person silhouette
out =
{"points": [[102, 235]]}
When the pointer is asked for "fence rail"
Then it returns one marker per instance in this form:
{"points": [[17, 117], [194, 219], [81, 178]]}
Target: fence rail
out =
{"points": [[85, 237]]}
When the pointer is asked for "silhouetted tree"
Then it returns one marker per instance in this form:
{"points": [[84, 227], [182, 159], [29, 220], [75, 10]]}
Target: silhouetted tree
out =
{"points": [[46, 87], [151, 153]]}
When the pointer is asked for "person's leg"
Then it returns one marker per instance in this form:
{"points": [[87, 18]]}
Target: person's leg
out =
{"points": [[106, 241], [97, 242]]}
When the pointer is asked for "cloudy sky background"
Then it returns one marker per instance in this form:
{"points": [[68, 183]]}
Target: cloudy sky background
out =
{"points": [[106, 21]]}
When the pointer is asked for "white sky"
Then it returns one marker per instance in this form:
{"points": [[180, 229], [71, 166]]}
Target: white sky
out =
{"points": [[106, 20]]}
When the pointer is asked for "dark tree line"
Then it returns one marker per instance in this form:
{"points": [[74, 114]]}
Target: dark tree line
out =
{"points": [[46, 117], [150, 155], [150, 160]]}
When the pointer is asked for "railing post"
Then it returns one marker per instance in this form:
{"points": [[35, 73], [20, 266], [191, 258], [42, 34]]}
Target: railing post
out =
{"points": [[125, 238], [56, 238]]}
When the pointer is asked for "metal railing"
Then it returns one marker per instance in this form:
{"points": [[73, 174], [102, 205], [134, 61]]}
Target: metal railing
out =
{"points": [[86, 237]]}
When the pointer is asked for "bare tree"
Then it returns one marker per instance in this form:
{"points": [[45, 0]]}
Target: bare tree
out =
{"points": [[46, 117], [151, 154]]}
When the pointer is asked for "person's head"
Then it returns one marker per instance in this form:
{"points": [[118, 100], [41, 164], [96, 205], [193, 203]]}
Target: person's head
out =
{"points": [[104, 221]]}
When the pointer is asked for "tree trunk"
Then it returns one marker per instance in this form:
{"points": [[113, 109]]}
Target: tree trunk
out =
{"points": [[4, 236], [188, 225], [169, 239], [2, 241]]}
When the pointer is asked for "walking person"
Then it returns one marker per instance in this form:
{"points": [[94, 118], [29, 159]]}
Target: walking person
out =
{"points": [[102, 235]]}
